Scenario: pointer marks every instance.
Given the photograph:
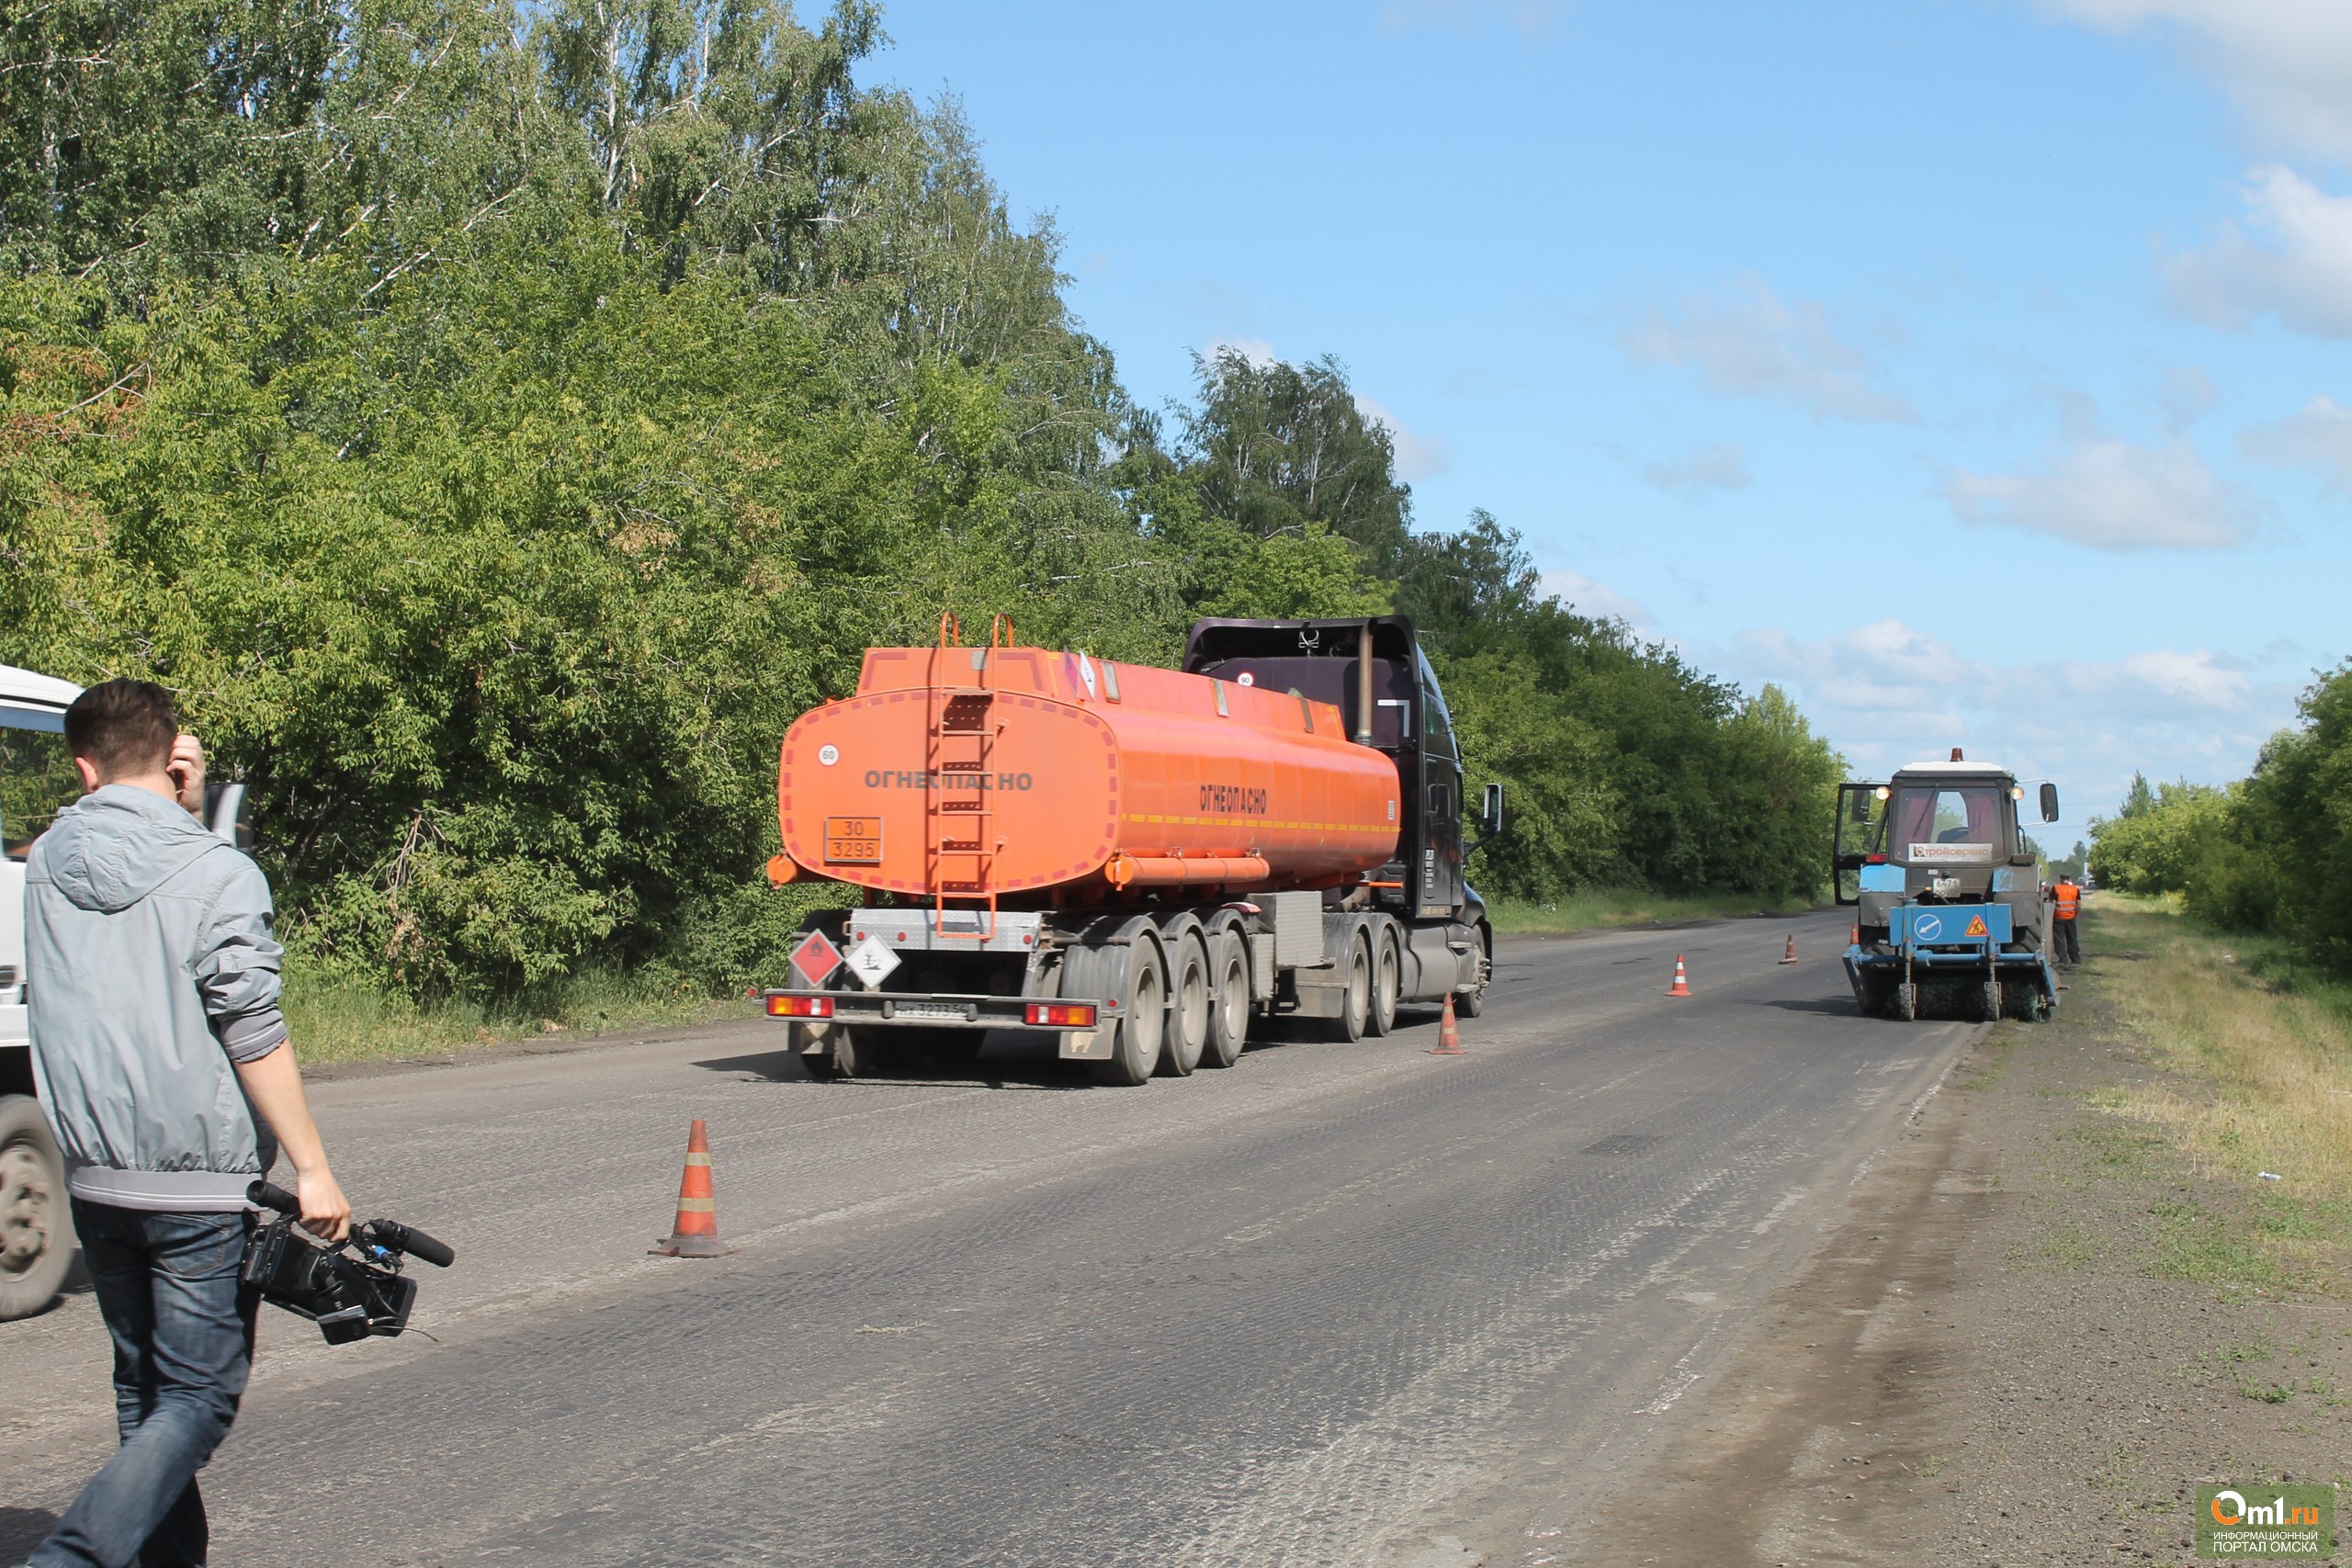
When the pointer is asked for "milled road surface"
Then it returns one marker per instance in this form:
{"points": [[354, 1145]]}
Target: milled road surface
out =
{"points": [[1341, 1304]]}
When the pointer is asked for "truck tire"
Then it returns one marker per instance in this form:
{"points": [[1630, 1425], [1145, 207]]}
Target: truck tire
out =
{"points": [[35, 1226], [1906, 1003], [1189, 1005], [1472, 1002], [1387, 980], [1228, 1000], [1356, 996], [1143, 1027]]}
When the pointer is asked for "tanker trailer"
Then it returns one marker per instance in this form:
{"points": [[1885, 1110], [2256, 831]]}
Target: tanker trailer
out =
{"points": [[1144, 863]]}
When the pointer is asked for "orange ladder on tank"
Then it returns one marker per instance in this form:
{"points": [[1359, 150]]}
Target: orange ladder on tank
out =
{"points": [[962, 747]]}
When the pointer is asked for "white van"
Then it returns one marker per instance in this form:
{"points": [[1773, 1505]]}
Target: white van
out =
{"points": [[35, 778]]}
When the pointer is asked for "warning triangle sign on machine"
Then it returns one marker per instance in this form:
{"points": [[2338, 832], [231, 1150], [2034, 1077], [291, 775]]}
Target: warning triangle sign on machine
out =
{"points": [[1976, 925]]}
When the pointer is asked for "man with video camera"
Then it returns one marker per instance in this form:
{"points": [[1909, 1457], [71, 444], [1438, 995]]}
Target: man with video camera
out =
{"points": [[163, 1066]]}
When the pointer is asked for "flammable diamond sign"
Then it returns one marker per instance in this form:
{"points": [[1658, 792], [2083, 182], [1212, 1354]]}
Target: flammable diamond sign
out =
{"points": [[871, 963], [815, 959]]}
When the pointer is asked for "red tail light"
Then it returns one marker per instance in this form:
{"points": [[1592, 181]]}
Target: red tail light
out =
{"points": [[800, 1006], [1873, 860], [1061, 1015]]}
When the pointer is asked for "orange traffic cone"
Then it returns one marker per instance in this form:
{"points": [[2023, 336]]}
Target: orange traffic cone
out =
{"points": [[698, 1232], [1449, 1038], [1791, 956], [1682, 987]]}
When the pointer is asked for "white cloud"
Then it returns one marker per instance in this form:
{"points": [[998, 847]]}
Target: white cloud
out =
{"points": [[2319, 436], [2291, 258], [1418, 456], [1888, 694], [1721, 465], [2111, 495], [1754, 344], [2288, 64], [1588, 596]]}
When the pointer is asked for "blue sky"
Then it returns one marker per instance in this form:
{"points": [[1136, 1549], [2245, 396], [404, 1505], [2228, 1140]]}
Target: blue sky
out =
{"points": [[1973, 369]]}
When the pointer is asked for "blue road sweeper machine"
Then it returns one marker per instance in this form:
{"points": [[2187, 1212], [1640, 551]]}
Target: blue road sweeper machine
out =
{"points": [[1950, 920]]}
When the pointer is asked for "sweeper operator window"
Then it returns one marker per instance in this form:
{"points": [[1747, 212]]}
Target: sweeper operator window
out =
{"points": [[1949, 823]]}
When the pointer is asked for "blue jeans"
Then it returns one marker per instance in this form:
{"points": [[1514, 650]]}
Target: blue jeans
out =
{"points": [[182, 1328]]}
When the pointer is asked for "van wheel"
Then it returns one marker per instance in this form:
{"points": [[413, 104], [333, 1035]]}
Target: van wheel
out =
{"points": [[1188, 1007], [1228, 1001], [1356, 1000], [1387, 981], [36, 1226], [1143, 1027]]}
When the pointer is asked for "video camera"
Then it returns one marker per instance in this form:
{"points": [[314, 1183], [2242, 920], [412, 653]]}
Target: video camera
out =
{"points": [[351, 1288]]}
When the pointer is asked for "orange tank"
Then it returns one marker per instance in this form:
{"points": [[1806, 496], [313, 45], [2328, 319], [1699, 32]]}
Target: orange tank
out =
{"points": [[973, 774]]}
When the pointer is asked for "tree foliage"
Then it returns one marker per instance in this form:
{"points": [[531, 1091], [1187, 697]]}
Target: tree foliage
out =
{"points": [[2272, 852], [2155, 838], [499, 423]]}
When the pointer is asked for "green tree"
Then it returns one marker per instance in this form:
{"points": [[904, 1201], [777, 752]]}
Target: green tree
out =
{"points": [[1273, 447]]}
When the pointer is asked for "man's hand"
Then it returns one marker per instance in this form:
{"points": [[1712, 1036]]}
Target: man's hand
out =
{"points": [[326, 1213], [185, 770]]}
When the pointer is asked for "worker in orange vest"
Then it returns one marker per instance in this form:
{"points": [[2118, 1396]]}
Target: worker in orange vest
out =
{"points": [[2066, 905]]}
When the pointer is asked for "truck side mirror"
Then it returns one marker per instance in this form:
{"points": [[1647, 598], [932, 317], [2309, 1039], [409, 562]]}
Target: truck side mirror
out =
{"points": [[1491, 817], [228, 815], [2050, 803]]}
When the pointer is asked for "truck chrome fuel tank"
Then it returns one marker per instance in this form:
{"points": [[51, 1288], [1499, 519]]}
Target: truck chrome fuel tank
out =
{"points": [[977, 772]]}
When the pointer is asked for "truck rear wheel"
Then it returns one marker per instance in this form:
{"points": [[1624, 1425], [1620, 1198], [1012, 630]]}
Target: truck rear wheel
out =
{"points": [[36, 1226], [1228, 1000], [1356, 996], [1143, 1027], [1387, 981], [1188, 1007]]}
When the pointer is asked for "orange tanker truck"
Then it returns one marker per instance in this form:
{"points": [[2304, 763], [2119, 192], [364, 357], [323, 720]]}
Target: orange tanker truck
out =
{"points": [[1139, 863]]}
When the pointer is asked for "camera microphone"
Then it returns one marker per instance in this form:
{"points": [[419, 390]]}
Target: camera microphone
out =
{"points": [[415, 1241]]}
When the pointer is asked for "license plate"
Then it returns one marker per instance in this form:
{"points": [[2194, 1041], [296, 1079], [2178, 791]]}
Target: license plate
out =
{"points": [[927, 1010], [853, 841]]}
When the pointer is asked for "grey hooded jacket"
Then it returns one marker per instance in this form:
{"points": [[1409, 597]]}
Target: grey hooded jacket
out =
{"points": [[149, 969]]}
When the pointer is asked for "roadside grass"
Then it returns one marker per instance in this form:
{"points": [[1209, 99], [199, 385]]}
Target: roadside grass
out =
{"points": [[2261, 1101], [338, 1019], [1626, 906]]}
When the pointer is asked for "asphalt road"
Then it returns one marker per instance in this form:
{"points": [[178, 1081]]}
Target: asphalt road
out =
{"points": [[1341, 1304]]}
